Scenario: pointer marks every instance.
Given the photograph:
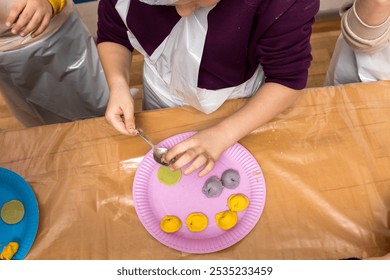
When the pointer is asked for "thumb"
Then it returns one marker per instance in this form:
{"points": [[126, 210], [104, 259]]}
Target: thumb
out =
{"points": [[129, 121]]}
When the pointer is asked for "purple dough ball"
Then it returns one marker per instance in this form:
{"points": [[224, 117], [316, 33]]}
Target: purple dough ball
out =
{"points": [[230, 179], [212, 187]]}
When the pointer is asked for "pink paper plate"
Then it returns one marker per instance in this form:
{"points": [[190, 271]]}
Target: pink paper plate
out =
{"points": [[154, 200]]}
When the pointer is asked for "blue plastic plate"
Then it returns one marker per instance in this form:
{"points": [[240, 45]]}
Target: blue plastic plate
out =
{"points": [[13, 186]]}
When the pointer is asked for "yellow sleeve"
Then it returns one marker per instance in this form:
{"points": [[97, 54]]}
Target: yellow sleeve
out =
{"points": [[57, 5]]}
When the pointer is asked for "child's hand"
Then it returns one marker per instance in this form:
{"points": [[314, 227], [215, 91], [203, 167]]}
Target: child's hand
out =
{"points": [[29, 15], [203, 149], [120, 111]]}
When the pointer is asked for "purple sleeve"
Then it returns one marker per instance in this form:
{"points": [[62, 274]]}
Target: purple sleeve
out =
{"points": [[111, 28], [285, 50]]}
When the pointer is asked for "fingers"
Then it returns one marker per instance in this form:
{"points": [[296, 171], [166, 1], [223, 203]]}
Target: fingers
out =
{"points": [[117, 122], [24, 20], [185, 153], [179, 149], [198, 160], [123, 125], [120, 111], [209, 166], [178, 157], [42, 26], [25, 17], [185, 158], [14, 13], [31, 24], [201, 160], [124, 122], [129, 123]]}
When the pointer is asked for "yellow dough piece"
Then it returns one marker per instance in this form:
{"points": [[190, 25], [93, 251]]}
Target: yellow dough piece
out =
{"points": [[9, 251], [238, 202], [168, 177], [12, 212], [170, 224], [196, 222], [226, 219]]}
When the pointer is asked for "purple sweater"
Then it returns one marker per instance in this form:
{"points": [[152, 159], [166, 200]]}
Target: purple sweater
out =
{"points": [[241, 35]]}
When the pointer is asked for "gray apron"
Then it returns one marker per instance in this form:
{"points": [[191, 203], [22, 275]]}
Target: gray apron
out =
{"points": [[55, 78]]}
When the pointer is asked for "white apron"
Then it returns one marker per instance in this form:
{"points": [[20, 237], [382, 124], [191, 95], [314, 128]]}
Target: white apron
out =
{"points": [[349, 66], [171, 72]]}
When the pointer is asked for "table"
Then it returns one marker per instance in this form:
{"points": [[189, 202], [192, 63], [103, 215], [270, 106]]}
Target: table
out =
{"points": [[326, 163]]}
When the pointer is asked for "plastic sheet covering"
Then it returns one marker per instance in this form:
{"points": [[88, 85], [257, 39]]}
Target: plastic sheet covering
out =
{"points": [[55, 77], [326, 163]]}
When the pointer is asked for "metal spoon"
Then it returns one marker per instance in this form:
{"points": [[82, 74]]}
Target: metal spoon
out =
{"points": [[158, 152]]}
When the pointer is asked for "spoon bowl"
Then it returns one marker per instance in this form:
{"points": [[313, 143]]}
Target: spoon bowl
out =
{"points": [[158, 152], [158, 155]]}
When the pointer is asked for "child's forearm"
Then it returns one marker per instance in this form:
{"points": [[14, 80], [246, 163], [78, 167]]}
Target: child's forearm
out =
{"points": [[116, 62], [270, 100]]}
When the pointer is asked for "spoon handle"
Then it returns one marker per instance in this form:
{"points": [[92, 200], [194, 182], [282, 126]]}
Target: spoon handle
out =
{"points": [[142, 135]]}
